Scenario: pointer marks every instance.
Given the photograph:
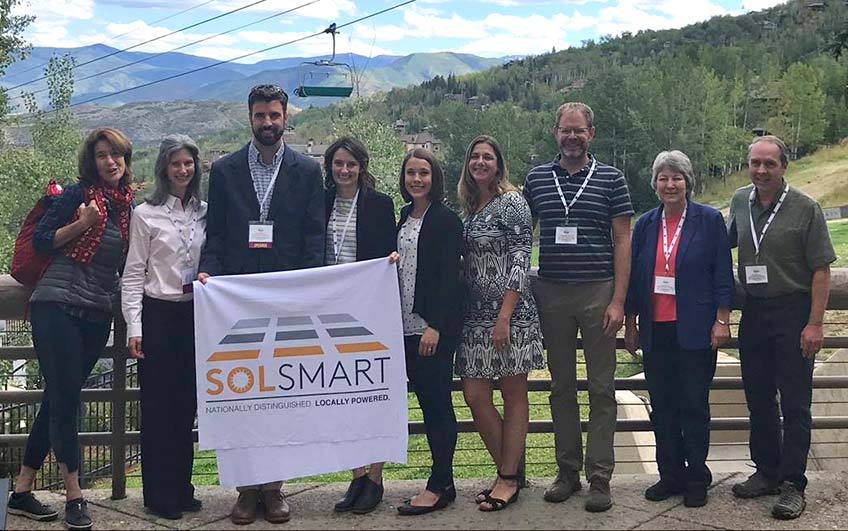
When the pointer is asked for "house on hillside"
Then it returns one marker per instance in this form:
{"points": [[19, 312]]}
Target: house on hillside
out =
{"points": [[577, 84], [312, 149], [400, 126], [424, 140]]}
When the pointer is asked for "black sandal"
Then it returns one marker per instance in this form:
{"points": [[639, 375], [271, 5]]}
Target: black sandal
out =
{"points": [[481, 496], [497, 504]]}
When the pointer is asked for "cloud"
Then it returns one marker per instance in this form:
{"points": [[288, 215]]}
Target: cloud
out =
{"points": [[139, 31], [311, 47], [321, 10], [52, 18], [635, 15], [494, 35], [502, 45], [757, 5]]}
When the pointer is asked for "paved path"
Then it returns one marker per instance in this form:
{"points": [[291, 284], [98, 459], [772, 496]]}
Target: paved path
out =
{"points": [[827, 508]]}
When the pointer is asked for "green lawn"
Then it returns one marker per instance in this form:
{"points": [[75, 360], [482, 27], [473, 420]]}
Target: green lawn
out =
{"points": [[839, 237], [471, 459]]}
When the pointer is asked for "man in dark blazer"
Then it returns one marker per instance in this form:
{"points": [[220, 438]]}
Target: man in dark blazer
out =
{"points": [[266, 213]]}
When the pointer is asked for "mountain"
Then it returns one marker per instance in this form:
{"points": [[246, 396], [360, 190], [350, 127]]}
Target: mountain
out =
{"points": [[229, 81], [409, 70]]}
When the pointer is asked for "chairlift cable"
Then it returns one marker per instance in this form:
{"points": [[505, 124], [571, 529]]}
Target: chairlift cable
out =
{"points": [[148, 41], [116, 37], [276, 46], [154, 56]]}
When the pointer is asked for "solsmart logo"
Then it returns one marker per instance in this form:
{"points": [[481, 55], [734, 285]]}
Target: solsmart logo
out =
{"points": [[296, 356]]}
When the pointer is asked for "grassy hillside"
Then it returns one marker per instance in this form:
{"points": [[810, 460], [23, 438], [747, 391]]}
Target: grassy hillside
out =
{"points": [[823, 175]]}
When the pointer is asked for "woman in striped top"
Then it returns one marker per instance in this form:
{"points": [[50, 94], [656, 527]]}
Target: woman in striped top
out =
{"points": [[360, 226]]}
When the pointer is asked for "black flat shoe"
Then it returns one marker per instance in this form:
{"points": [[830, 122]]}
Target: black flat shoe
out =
{"points": [[371, 496], [166, 513], [192, 506], [353, 491], [407, 509]]}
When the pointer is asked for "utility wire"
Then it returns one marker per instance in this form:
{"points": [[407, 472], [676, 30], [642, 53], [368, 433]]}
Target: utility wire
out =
{"points": [[154, 56], [293, 41], [116, 37], [116, 52]]}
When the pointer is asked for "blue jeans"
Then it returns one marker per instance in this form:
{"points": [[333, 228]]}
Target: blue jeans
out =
{"points": [[67, 349]]}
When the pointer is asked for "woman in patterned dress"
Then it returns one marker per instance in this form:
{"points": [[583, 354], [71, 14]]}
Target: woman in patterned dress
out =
{"points": [[500, 338]]}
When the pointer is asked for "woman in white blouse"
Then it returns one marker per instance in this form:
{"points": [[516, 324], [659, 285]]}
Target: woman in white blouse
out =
{"points": [[166, 235]]}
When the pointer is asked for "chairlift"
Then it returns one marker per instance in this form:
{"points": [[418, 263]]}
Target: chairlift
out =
{"points": [[324, 78]]}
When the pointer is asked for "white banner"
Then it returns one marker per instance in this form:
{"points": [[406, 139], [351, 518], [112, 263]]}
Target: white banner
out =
{"points": [[301, 359]]}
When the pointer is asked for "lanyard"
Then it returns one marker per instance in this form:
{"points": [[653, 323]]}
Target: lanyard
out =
{"points": [[759, 241], [186, 243], [263, 211], [566, 205], [667, 249], [337, 245]]}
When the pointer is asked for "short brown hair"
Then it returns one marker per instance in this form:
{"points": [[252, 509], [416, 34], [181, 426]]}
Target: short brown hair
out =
{"points": [[88, 165], [267, 93], [437, 188], [776, 141], [580, 107]]}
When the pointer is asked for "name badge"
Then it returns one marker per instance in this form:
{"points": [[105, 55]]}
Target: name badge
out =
{"points": [[756, 274], [188, 275], [260, 235], [664, 285], [566, 235]]}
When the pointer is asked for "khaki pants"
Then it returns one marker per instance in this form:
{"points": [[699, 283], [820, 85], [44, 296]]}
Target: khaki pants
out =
{"points": [[563, 309]]}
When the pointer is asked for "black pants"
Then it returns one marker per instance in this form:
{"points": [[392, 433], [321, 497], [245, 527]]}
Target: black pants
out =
{"points": [[67, 349], [770, 352], [431, 378], [168, 402], [679, 384]]}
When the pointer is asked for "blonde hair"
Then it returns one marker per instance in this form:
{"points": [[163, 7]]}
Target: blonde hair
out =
{"points": [[467, 189]]}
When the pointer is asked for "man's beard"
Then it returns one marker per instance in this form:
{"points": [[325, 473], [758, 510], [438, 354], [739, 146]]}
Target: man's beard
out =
{"points": [[258, 135]]}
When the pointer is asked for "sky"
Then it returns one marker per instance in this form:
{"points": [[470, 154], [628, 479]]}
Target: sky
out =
{"points": [[489, 28]]}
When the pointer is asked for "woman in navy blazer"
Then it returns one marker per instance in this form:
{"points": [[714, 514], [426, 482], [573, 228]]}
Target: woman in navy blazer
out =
{"points": [[681, 282], [360, 226]]}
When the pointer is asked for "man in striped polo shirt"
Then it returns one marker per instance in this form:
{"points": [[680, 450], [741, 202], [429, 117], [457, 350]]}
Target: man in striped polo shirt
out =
{"points": [[583, 209]]}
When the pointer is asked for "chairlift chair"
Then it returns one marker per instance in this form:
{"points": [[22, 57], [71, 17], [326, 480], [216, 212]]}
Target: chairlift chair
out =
{"points": [[325, 78]]}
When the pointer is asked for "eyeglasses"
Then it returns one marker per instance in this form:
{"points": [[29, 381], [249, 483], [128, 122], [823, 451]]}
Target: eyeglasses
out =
{"points": [[576, 131]]}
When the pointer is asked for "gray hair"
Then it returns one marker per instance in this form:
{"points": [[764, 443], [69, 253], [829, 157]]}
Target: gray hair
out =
{"points": [[774, 140], [580, 107], [676, 161], [170, 145]]}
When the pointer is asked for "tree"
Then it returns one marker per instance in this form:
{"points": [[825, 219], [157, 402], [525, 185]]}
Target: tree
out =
{"points": [[384, 148], [13, 47], [800, 118], [24, 172]]}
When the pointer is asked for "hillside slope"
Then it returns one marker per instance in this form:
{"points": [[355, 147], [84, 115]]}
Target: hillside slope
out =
{"points": [[823, 175]]}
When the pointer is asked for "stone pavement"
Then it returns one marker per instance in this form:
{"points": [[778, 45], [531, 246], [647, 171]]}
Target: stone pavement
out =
{"points": [[827, 508]]}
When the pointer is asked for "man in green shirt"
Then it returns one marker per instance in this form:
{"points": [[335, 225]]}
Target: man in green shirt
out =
{"points": [[784, 267]]}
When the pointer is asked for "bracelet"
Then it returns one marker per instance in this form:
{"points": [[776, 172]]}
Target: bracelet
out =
{"points": [[723, 323]]}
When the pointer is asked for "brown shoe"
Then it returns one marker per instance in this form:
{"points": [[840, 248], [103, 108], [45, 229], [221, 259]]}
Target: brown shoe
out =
{"points": [[244, 511], [276, 507]]}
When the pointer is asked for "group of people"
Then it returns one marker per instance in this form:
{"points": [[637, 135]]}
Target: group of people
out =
{"points": [[468, 305]]}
